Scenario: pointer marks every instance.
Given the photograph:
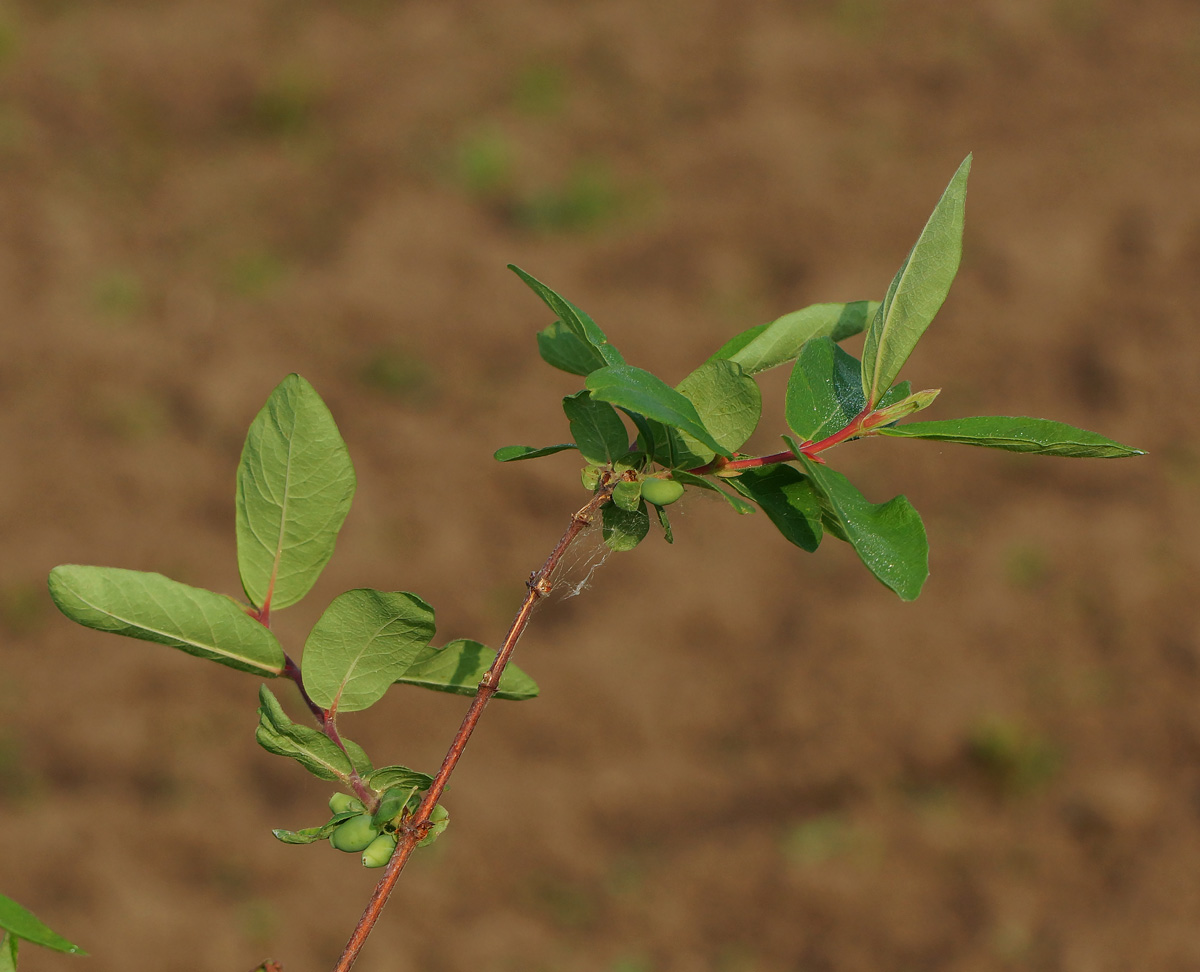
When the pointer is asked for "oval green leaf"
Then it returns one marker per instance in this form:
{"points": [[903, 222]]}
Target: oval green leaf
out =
{"points": [[295, 482], [155, 608], [824, 392], [363, 642], [917, 291], [597, 429], [780, 341], [1040, 436], [624, 529], [728, 403]]}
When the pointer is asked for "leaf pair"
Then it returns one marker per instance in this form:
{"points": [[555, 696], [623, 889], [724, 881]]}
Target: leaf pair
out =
{"points": [[19, 923], [295, 482]]}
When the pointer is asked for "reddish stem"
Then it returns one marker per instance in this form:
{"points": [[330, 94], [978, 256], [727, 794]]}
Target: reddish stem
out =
{"points": [[856, 426], [416, 826]]}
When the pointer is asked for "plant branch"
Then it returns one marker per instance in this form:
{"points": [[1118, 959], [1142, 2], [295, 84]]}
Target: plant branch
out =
{"points": [[328, 725], [859, 425], [416, 826]]}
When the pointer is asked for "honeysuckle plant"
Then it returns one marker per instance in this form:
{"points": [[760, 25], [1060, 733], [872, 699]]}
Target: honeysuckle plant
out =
{"points": [[643, 443]]}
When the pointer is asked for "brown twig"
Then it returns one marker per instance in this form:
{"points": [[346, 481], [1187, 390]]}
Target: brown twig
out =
{"points": [[417, 826]]}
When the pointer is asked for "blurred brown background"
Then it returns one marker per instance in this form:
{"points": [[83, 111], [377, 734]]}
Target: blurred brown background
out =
{"points": [[745, 758]]}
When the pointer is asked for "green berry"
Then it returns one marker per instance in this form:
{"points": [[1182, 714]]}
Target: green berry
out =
{"points": [[661, 492], [341, 802], [353, 835], [379, 851]]}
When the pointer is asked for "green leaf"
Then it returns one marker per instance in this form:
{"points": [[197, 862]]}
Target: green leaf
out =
{"points": [[596, 428], [917, 291], [728, 403], [22, 923], [624, 530], [562, 348], [691, 479], [390, 804], [394, 777], [824, 392], [8, 952], [665, 522], [310, 835], [514, 453], [888, 537], [1017, 434], [788, 498], [363, 642], [294, 486], [781, 340], [582, 326], [667, 446], [639, 391], [458, 668], [312, 749], [155, 608]]}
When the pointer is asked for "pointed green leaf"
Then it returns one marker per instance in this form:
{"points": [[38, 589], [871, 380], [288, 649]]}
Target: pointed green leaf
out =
{"points": [[294, 486], [22, 923], [315, 751], [788, 498], [596, 428], [917, 291], [737, 342], [690, 479], [624, 530], [459, 667], [363, 642], [514, 453], [665, 522], [888, 537], [639, 391], [1017, 434], [393, 777], [8, 952], [781, 340], [155, 608], [562, 348], [310, 835], [582, 326], [728, 402]]}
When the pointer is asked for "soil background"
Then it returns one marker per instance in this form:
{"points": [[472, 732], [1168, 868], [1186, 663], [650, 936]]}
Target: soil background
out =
{"points": [[745, 758]]}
